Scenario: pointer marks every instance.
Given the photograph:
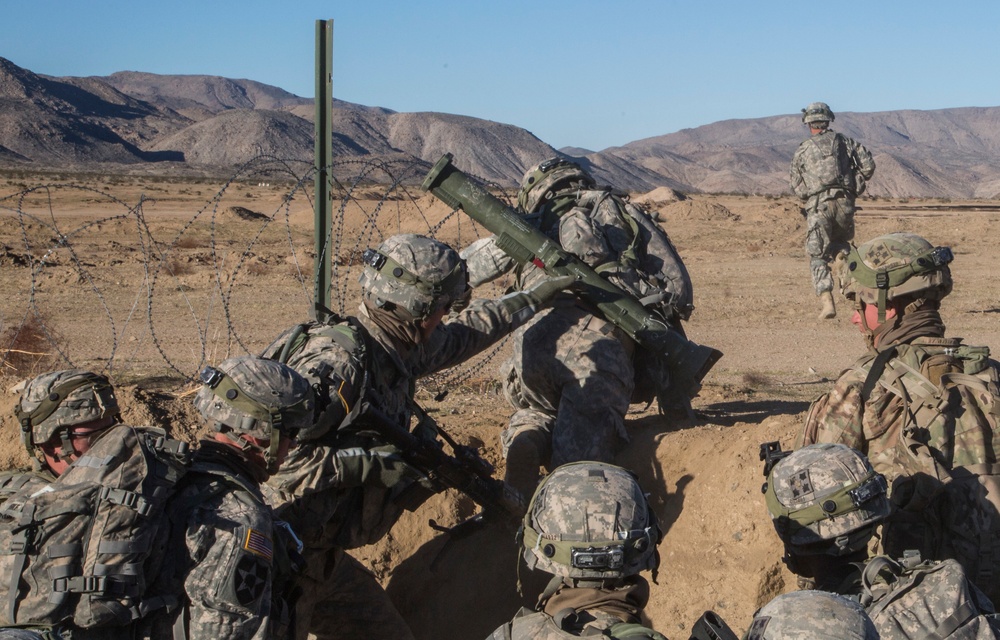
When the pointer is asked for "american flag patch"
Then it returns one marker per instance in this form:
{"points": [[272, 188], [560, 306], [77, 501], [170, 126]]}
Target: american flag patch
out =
{"points": [[259, 544]]}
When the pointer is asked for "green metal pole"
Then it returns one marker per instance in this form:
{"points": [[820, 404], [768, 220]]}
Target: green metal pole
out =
{"points": [[323, 161]]}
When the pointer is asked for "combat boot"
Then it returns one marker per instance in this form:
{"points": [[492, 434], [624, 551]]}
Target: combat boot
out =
{"points": [[523, 462], [829, 310]]}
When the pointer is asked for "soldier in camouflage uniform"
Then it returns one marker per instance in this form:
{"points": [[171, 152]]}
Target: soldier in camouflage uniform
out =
{"points": [[590, 526], [60, 413], [829, 170], [218, 556], [893, 406], [826, 501], [572, 375], [811, 614], [343, 487]]}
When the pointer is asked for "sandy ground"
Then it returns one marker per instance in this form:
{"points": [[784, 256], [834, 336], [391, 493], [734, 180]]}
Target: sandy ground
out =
{"points": [[193, 280]]}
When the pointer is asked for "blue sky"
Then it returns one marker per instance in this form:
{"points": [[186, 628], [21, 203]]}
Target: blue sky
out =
{"points": [[584, 73]]}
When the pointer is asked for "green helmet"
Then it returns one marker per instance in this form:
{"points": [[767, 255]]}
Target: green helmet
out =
{"points": [[817, 112], [811, 614], [825, 499], [896, 265], [590, 520], [57, 401], [256, 397], [415, 274], [546, 180]]}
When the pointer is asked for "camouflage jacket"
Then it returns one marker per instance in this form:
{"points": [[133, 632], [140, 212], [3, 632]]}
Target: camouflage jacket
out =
{"points": [[596, 231], [216, 556], [875, 426], [346, 489], [538, 625], [830, 165], [12, 482]]}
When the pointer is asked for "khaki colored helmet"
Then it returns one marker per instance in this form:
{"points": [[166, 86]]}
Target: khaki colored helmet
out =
{"points": [[825, 499], [811, 614], [415, 274], [590, 520], [546, 180], [896, 265], [57, 401], [817, 112], [256, 397]]}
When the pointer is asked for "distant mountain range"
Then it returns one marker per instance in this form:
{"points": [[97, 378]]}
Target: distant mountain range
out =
{"points": [[212, 124]]}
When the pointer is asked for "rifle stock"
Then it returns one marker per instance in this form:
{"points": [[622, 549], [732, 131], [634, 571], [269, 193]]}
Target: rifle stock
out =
{"points": [[466, 472], [711, 627], [688, 362]]}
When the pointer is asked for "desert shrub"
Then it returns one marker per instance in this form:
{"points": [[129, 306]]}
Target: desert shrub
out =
{"points": [[178, 267], [29, 348], [756, 380]]}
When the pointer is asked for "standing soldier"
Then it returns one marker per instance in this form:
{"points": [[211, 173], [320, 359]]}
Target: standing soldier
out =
{"points": [[829, 170], [590, 526], [344, 486]]}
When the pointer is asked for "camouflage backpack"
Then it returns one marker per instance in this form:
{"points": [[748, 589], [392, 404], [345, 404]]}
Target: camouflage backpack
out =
{"points": [[75, 548], [911, 599], [946, 396], [662, 284], [830, 165]]}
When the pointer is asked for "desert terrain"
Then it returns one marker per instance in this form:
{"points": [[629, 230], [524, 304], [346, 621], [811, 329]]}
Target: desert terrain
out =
{"points": [[148, 279]]}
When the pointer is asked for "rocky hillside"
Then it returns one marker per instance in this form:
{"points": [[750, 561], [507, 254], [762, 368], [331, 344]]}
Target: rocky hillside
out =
{"points": [[210, 123]]}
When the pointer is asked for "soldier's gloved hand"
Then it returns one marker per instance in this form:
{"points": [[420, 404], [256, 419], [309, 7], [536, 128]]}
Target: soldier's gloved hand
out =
{"points": [[524, 304]]}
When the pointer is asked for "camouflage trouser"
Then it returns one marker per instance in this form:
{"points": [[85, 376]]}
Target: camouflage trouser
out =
{"points": [[570, 378], [830, 229], [342, 600]]}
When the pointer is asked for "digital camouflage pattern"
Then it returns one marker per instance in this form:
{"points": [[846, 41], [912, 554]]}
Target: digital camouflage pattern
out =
{"points": [[572, 376], [218, 556], [253, 396], [817, 112], [75, 549], [909, 599], [934, 443], [55, 401], [23, 481], [554, 176], [590, 506], [416, 274], [340, 489], [823, 492], [539, 625], [811, 614], [828, 171]]}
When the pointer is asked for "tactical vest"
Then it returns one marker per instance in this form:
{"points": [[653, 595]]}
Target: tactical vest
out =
{"points": [[537, 625], [828, 164], [939, 403], [75, 549], [910, 599]]}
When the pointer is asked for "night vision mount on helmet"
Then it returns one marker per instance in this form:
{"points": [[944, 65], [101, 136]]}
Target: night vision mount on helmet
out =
{"points": [[590, 520], [823, 498]]}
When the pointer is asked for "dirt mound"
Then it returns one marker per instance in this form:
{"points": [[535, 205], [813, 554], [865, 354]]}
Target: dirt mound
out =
{"points": [[242, 213], [658, 196], [691, 209]]}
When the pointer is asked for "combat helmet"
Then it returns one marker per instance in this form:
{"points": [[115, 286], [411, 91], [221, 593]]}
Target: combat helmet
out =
{"points": [[817, 112], [413, 274], [825, 499], [546, 180], [52, 403], [256, 397], [896, 265], [591, 521], [811, 614]]}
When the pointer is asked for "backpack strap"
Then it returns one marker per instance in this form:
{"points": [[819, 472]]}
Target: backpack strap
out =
{"points": [[875, 372], [21, 544]]}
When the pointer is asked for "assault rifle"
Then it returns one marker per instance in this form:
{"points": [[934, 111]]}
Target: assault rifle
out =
{"points": [[711, 627], [687, 362], [466, 471]]}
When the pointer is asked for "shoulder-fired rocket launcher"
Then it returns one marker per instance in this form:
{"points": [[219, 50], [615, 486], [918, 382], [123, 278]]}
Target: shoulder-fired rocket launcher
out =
{"points": [[687, 361]]}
